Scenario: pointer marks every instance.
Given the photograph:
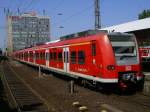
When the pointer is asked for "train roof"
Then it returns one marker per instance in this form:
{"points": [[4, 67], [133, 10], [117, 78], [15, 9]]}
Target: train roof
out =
{"points": [[76, 38], [120, 34], [82, 34]]}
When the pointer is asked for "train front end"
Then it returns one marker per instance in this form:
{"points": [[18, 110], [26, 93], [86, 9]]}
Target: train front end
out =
{"points": [[128, 67]]}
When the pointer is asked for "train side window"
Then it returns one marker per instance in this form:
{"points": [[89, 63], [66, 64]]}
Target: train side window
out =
{"points": [[34, 56], [43, 55], [73, 57], [94, 49], [37, 55], [81, 57], [51, 55], [26, 55], [30, 55], [55, 56], [60, 56]]}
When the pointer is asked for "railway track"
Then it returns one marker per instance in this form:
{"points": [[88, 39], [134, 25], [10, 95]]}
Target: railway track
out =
{"points": [[136, 102], [21, 96], [138, 99]]}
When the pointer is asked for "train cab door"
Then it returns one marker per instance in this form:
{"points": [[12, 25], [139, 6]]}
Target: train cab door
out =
{"points": [[66, 59], [47, 57]]}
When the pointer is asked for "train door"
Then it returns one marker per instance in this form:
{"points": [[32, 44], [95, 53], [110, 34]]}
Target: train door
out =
{"points": [[28, 56], [47, 57], [34, 57], [66, 59]]}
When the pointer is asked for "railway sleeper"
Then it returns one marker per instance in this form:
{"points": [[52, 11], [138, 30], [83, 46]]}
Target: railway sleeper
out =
{"points": [[21, 90], [29, 104], [26, 100], [18, 88], [37, 107], [23, 95]]}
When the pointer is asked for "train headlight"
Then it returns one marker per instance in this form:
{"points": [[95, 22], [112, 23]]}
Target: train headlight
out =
{"points": [[110, 67]]}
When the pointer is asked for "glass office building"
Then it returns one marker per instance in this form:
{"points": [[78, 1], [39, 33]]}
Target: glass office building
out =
{"points": [[27, 30]]}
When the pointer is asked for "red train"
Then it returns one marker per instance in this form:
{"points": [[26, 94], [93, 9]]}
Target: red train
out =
{"points": [[94, 56], [145, 54]]}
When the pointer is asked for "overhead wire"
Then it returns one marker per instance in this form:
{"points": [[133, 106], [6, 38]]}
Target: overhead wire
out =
{"points": [[19, 6], [74, 15], [27, 6], [61, 2]]}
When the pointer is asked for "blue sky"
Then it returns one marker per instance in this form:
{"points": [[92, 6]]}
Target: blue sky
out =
{"points": [[77, 15]]}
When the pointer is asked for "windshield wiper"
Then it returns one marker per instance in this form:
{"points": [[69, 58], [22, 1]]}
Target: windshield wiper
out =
{"points": [[124, 56]]}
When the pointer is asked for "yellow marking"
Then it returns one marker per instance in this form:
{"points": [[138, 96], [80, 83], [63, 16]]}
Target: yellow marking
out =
{"points": [[103, 110], [110, 108], [83, 43], [76, 104], [83, 108]]}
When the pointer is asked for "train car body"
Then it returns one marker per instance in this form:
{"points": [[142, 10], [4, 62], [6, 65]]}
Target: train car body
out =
{"points": [[145, 54], [100, 57]]}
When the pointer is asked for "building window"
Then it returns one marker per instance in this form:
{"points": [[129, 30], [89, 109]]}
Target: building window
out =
{"points": [[94, 49], [81, 57], [73, 57], [60, 56]]}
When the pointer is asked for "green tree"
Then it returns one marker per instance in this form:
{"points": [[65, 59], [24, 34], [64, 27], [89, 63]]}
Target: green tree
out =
{"points": [[144, 14]]}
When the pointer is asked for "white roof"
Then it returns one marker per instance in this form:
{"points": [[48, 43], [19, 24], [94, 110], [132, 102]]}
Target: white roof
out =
{"points": [[130, 26], [53, 41]]}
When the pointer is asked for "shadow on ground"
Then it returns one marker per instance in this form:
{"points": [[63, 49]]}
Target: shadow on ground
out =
{"points": [[146, 67], [3, 102]]}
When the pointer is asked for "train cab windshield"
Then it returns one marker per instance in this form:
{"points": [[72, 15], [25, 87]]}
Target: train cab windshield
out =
{"points": [[125, 48]]}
